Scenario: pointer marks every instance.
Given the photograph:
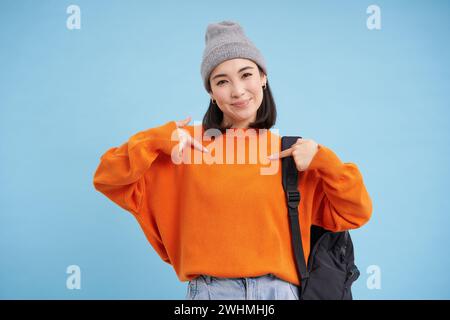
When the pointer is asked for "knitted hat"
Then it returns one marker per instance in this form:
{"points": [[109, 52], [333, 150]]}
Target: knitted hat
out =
{"points": [[224, 41]]}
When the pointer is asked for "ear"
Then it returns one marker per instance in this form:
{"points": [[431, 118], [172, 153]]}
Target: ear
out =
{"points": [[264, 79]]}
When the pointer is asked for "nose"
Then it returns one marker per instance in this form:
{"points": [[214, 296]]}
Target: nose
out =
{"points": [[237, 91]]}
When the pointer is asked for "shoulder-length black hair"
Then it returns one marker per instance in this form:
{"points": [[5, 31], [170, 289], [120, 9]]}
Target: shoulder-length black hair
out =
{"points": [[265, 116]]}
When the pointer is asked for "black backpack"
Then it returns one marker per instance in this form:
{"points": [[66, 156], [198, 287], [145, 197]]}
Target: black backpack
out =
{"points": [[331, 269]]}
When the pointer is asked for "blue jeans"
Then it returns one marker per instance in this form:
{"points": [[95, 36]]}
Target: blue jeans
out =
{"points": [[266, 287]]}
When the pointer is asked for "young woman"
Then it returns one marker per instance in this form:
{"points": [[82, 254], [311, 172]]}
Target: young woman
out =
{"points": [[220, 222]]}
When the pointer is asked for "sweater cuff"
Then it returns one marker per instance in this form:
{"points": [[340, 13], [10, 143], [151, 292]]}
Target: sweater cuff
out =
{"points": [[164, 138], [168, 136]]}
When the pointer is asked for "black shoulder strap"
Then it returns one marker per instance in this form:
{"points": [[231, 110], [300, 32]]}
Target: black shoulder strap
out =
{"points": [[290, 186]]}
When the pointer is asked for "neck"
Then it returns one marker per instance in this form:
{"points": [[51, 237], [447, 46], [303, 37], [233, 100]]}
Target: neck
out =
{"points": [[237, 125]]}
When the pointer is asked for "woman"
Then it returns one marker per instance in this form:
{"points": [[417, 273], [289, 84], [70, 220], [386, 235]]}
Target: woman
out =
{"points": [[220, 222]]}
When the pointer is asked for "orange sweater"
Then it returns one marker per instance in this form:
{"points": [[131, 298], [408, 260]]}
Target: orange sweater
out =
{"points": [[226, 220]]}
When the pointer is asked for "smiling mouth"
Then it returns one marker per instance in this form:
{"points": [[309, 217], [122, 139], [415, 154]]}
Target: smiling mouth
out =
{"points": [[243, 104]]}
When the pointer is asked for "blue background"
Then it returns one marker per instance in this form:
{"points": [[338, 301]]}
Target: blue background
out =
{"points": [[377, 98]]}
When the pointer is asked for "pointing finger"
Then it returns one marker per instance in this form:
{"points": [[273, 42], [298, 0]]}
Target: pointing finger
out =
{"points": [[197, 145], [282, 154], [184, 122]]}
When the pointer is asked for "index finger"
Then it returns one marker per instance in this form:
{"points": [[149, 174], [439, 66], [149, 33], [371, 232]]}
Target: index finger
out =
{"points": [[282, 154], [197, 145], [184, 122]]}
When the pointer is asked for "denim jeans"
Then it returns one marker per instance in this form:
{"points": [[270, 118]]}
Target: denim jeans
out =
{"points": [[266, 287]]}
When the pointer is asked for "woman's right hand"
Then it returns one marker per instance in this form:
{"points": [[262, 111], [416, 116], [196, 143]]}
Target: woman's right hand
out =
{"points": [[186, 140]]}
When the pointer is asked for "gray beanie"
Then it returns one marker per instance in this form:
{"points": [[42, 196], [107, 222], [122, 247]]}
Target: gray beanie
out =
{"points": [[224, 41]]}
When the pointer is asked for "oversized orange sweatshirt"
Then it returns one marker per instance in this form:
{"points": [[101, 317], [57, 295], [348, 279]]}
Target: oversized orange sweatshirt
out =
{"points": [[227, 218]]}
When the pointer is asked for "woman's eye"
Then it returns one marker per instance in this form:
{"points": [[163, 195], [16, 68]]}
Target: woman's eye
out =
{"points": [[220, 82]]}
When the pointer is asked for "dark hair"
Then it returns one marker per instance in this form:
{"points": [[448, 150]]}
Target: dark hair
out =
{"points": [[265, 116]]}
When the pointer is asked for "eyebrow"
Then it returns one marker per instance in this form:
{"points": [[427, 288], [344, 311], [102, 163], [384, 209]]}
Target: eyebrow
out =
{"points": [[224, 75]]}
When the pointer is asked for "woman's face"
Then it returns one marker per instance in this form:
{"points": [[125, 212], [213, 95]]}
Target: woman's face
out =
{"points": [[234, 81]]}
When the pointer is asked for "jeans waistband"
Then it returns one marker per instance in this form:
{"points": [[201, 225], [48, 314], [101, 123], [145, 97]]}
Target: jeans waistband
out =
{"points": [[208, 279]]}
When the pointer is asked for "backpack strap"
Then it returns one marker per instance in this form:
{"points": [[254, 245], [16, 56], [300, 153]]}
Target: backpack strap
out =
{"points": [[290, 186]]}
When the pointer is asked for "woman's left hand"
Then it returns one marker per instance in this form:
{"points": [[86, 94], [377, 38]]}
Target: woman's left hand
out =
{"points": [[303, 151]]}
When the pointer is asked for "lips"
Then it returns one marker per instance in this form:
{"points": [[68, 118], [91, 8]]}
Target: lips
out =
{"points": [[241, 103]]}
